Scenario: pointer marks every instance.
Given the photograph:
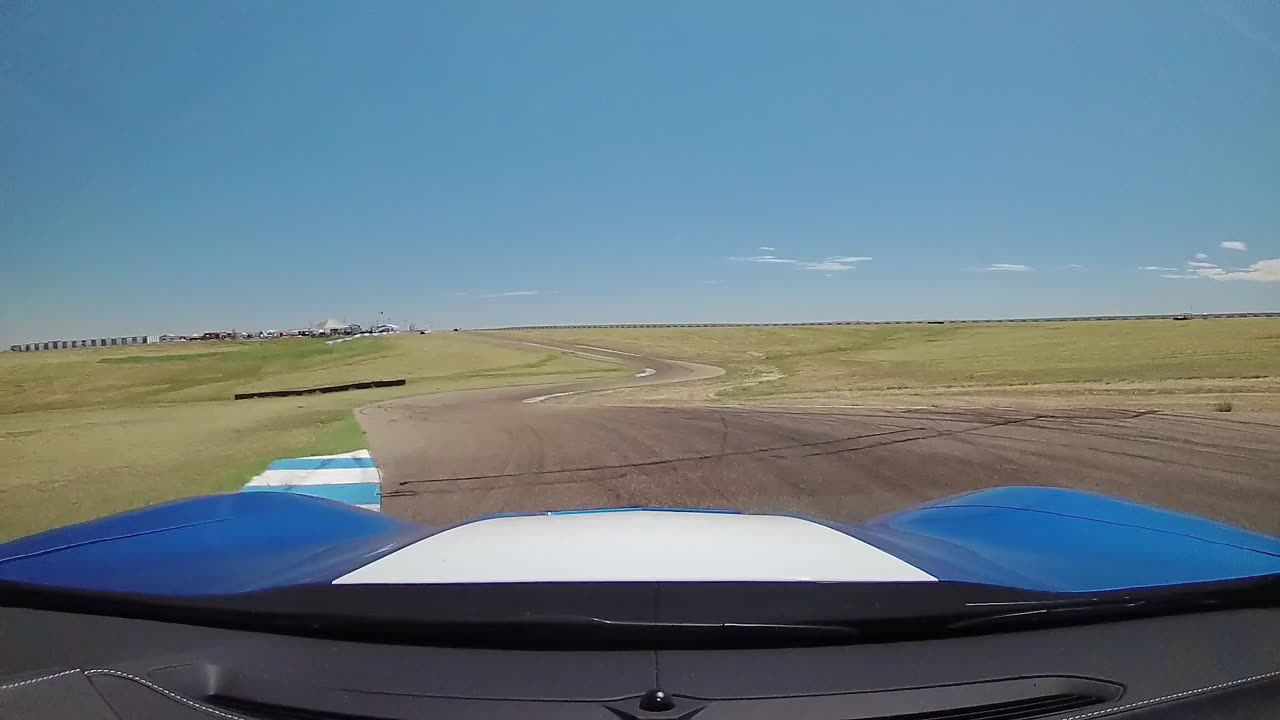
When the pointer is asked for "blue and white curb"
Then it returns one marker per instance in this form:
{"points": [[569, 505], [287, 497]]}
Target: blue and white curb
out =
{"points": [[350, 478]]}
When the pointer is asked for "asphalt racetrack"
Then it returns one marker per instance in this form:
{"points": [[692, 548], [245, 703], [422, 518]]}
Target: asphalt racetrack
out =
{"points": [[452, 457]]}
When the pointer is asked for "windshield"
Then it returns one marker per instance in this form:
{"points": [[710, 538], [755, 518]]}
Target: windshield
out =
{"points": [[963, 303]]}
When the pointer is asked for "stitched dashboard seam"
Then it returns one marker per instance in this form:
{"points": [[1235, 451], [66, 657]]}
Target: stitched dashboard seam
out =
{"points": [[36, 680], [171, 695], [1175, 696], [214, 711]]}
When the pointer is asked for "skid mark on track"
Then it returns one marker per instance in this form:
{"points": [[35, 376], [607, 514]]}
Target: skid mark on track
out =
{"points": [[668, 461], [882, 439]]}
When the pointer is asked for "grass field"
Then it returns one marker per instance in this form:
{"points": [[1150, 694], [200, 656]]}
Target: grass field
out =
{"points": [[1158, 363], [89, 432]]}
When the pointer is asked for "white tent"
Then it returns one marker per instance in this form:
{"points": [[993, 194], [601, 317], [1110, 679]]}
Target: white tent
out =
{"points": [[331, 325]]}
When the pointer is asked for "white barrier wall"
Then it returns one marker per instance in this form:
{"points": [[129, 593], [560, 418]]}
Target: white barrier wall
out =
{"points": [[92, 342]]}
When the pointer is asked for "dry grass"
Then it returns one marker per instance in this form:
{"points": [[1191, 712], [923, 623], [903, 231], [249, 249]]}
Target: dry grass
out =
{"points": [[1188, 365], [86, 433], [200, 372]]}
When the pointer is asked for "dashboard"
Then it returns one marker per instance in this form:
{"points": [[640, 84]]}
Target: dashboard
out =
{"points": [[1221, 665]]}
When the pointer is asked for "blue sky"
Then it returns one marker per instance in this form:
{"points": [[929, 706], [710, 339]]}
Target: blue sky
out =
{"points": [[174, 166]]}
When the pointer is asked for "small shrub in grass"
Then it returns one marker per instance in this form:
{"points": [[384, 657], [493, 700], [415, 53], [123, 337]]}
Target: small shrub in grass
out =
{"points": [[1224, 406]]}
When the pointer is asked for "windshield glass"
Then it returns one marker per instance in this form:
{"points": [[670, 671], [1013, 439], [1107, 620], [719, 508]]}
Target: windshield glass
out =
{"points": [[931, 298]]}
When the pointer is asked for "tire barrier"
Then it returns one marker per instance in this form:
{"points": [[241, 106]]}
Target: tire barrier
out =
{"points": [[326, 389]]}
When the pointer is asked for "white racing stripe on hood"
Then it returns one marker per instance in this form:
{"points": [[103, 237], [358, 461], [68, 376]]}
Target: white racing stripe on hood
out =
{"points": [[637, 545]]}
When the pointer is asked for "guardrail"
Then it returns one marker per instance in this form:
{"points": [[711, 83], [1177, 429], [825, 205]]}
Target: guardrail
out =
{"points": [[326, 389], [823, 323]]}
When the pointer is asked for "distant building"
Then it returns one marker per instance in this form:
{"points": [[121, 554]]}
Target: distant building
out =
{"points": [[90, 343]]}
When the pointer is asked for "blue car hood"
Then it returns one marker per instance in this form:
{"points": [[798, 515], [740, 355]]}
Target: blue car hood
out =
{"points": [[1069, 541], [1023, 537]]}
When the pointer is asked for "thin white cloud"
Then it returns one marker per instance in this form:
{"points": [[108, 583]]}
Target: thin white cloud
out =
{"points": [[1072, 266], [766, 248], [1201, 256], [512, 293], [1157, 268], [1180, 276], [711, 282], [1198, 264], [836, 263], [825, 266], [1233, 245], [763, 259], [1006, 267]]}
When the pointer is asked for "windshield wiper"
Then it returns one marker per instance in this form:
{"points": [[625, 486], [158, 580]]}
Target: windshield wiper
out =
{"points": [[593, 632], [699, 634], [1256, 592], [1050, 612]]}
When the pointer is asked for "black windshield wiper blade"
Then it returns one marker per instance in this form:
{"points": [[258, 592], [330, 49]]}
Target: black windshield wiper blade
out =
{"points": [[1254, 592], [597, 630], [1050, 612]]}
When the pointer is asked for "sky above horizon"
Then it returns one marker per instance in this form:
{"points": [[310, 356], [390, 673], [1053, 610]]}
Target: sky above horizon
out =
{"points": [[181, 166]]}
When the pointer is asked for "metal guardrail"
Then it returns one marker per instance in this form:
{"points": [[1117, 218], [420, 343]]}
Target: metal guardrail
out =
{"points": [[824, 323], [325, 389]]}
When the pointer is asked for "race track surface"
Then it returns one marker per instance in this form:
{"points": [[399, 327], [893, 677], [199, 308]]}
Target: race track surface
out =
{"points": [[455, 456]]}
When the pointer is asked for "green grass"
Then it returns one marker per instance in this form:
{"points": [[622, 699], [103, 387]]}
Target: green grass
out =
{"points": [[1138, 360], [89, 432]]}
